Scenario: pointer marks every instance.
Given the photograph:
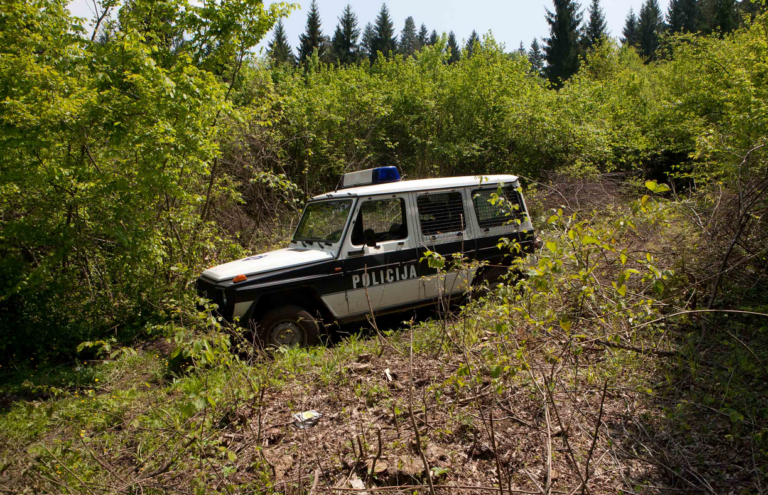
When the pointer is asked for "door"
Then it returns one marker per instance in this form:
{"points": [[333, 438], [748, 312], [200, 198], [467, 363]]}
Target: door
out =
{"points": [[443, 229], [384, 275]]}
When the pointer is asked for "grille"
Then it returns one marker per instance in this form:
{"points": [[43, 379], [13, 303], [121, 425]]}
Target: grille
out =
{"points": [[441, 213], [206, 289], [494, 210]]}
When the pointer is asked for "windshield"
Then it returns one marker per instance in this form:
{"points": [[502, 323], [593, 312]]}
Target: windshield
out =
{"points": [[323, 222]]}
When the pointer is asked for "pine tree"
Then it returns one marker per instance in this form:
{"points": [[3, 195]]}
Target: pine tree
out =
{"points": [[344, 46], [433, 38], [562, 47], [649, 27], [409, 39], [473, 40], [384, 37], [366, 42], [279, 50], [313, 37], [423, 36], [682, 16], [629, 33], [536, 57], [719, 16], [597, 28], [454, 52]]}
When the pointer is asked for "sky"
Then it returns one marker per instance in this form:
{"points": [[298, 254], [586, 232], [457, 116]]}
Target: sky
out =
{"points": [[511, 21]]}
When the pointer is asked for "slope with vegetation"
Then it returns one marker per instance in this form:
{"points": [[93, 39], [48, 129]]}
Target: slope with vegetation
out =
{"points": [[631, 357]]}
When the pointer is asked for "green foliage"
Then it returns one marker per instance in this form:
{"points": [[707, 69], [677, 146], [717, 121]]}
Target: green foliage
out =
{"points": [[313, 39], [650, 26], [563, 47], [344, 44], [106, 152], [280, 50], [384, 39]]}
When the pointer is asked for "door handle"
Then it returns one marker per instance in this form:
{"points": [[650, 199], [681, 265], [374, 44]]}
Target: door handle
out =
{"points": [[356, 253]]}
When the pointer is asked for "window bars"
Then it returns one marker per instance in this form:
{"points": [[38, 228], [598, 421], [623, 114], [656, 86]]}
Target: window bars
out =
{"points": [[495, 210], [441, 213]]}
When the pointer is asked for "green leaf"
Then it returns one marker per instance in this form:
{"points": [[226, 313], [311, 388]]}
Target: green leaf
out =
{"points": [[552, 246], [622, 290], [231, 455], [588, 239]]}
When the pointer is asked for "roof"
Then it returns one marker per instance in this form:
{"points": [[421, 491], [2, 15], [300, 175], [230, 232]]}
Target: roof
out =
{"points": [[418, 185]]}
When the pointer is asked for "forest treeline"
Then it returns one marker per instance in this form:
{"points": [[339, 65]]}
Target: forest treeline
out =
{"points": [[573, 32], [136, 155]]}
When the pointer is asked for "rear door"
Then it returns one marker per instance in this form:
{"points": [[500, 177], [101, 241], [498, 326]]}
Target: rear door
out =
{"points": [[443, 229], [384, 276]]}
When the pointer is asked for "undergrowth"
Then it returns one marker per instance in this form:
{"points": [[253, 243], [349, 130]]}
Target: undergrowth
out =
{"points": [[586, 367]]}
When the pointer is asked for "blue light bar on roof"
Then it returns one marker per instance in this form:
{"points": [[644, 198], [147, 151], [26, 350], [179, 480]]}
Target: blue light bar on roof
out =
{"points": [[380, 175]]}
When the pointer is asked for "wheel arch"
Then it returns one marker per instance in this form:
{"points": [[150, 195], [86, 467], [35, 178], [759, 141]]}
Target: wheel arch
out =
{"points": [[306, 297]]}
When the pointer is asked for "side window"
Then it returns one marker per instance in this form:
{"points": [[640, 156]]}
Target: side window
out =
{"points": [[385, 217], [441, 213], [494, 209]]}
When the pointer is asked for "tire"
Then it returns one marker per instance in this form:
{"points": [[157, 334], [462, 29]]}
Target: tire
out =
{"points": [[289, 326]]}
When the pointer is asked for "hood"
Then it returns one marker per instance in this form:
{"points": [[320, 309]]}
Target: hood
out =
{"points": [[267, 262]]}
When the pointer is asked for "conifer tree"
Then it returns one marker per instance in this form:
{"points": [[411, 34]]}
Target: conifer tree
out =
{"points": [[278, 49], [682, 16], [536, 57], [384, 37], [366, 42], [719, 15], [433, 38], [454, 52], [562, 48], [473, 40], [423, 36], [629, 33], [649, 27], [344, 46], [313, 37], [409, 39], [597, 28]]}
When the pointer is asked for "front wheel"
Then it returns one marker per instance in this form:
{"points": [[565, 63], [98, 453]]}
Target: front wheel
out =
{"points": [[289, 326]]}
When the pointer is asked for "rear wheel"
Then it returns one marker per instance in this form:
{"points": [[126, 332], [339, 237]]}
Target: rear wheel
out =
{"points": [[289, 326]]}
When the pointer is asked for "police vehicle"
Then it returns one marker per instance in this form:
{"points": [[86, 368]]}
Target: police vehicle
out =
{"points": [[361, 248]]}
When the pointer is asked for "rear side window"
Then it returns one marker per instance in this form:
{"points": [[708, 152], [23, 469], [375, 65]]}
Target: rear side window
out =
{"points": [[386, 217], [494, 209], [441, 213]]}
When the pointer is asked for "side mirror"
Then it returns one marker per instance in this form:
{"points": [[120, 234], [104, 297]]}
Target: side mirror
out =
{"points": [[370, 238]]}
